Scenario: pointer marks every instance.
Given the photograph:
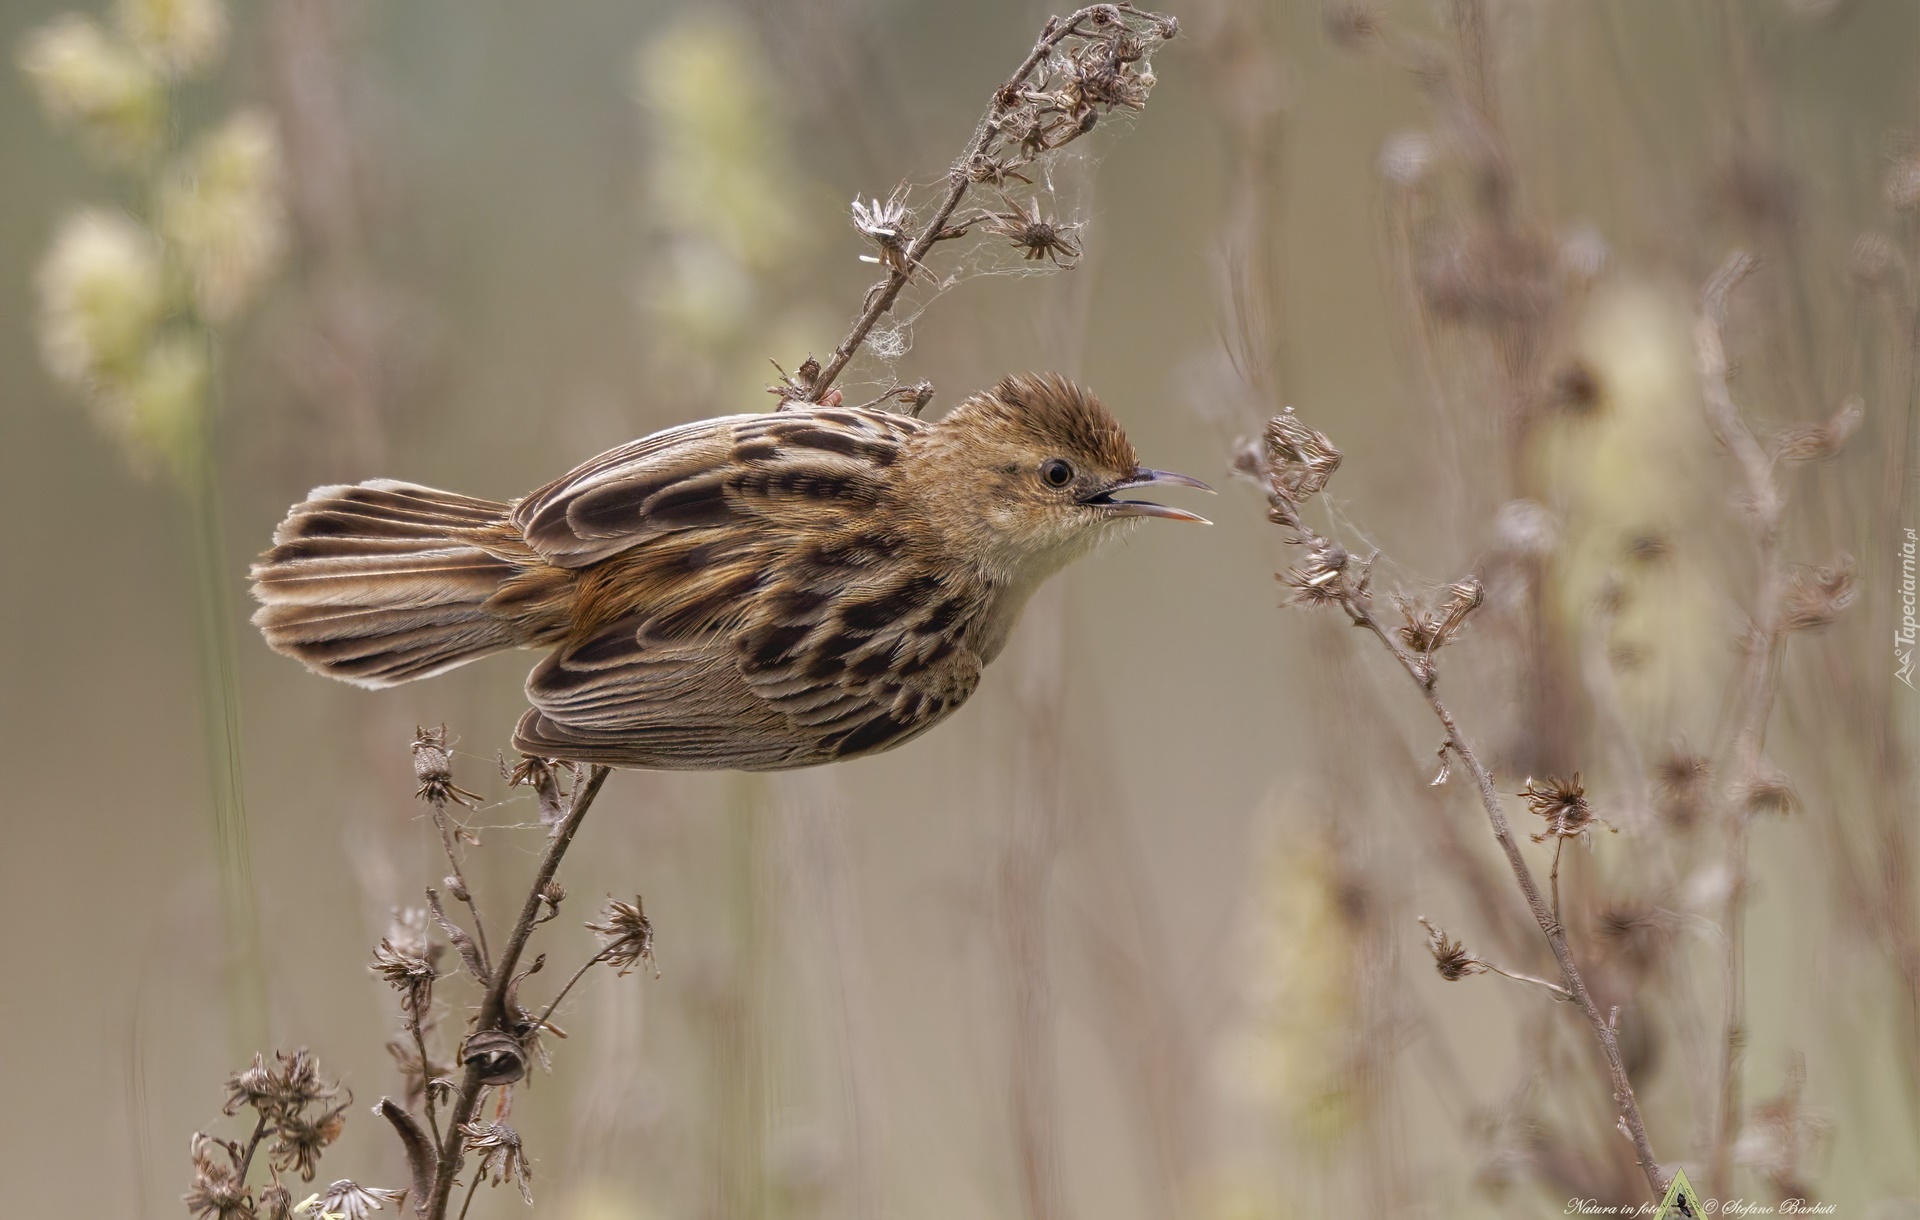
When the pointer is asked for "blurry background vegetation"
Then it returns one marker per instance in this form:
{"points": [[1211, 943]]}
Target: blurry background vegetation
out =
{"points": [[1133, 934]]}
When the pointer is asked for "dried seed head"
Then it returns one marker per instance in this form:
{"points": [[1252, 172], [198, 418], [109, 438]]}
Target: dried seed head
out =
{"points": [[501, 1157], [276, 1202], [1428, 629], [1563, 803], [1040, 237], [1450, 958], [886, 225], [352, 1201], [299, 1141], [1317, 582], [217, 1192], [626, 937], [433, 769], [408, 972], [1299, 460]]}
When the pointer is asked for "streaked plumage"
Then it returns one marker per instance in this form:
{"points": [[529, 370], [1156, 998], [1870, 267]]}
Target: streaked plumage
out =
{"points": [[751, 592]]}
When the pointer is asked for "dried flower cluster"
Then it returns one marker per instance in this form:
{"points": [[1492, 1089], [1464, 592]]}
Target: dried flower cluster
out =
{"points": [[1563, 804], [1084, 66], [295, 1118], [1293, 462], [626, 937], [297, 1114], [1451, 959]]}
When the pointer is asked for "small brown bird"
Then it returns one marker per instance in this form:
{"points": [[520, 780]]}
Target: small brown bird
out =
{"points": [[752, 592]]}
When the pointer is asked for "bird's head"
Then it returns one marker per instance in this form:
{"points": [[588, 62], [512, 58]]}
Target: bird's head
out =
{"points": [[1040, 470]]}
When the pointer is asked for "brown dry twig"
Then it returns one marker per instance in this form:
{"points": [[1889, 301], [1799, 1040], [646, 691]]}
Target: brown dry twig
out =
{"points": [[1293, 462], [1081, 66]]}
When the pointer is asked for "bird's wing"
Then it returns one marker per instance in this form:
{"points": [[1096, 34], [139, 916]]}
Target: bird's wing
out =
{"points": [[818, 668], [792, 464], [866, 666]]}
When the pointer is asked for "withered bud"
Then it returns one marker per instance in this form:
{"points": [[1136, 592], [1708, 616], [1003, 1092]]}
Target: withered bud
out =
{"points": [[299, 1142], [280, 1091], [1816, 596], [552, 894], [501, 1156], [1450, 958], [1317, 581], [1428, 629], [276, 1202], [407, 972], [349, 1200], [433, 769], [455, 888], [1563, 803], [626, 936], [1299, 460]]}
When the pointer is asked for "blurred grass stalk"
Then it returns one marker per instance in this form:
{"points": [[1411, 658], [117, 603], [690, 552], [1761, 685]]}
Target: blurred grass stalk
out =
{"points": [[131, 306], [220, 733]]}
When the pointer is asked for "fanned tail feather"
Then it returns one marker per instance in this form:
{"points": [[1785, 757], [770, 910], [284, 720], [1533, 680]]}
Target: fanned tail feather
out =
{"points": [[382, 582]]}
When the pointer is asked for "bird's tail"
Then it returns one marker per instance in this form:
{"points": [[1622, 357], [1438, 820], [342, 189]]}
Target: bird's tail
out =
{"points": [[384, 582]]}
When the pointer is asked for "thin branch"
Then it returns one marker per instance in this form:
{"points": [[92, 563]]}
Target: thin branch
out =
{"points": [[492, 1016], [1753, 690], [1559, 992], [579, 974], [253, 1144], [1335, 580], [1006, 99], [426, 1075], [449, 841]]}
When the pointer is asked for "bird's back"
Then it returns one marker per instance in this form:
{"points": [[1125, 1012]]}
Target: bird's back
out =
{"points": [[756, 591]]}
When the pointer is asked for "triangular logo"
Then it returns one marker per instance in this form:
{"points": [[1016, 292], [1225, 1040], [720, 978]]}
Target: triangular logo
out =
{"points": [[1680, 1201]]}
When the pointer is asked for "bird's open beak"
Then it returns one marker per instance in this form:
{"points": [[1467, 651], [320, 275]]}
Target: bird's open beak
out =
{"points": [[1144, 508]]}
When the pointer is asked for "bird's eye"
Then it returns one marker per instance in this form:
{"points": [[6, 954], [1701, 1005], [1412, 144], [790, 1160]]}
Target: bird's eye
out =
{"points": [[1056, 472]]}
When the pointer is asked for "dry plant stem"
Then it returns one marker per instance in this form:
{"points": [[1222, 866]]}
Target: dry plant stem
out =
{"points": [[449, 840], [878, 303], [493, 1008], [1558, 991], [1358, 605], [426, 1089], [1553, 878], [579, 974], [1754, 690]]}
